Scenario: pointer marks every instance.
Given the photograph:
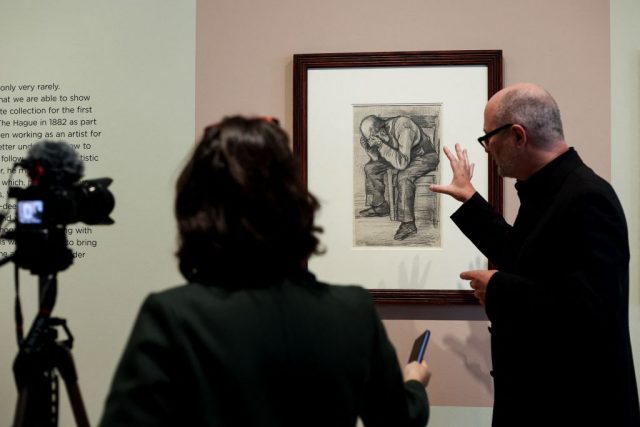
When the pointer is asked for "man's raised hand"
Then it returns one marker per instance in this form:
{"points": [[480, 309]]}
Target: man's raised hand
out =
{"points": [[460, 187]]}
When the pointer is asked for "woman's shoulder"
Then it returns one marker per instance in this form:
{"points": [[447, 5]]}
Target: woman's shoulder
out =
{"points": [[184, 294], [348, 293], [199, 293]]}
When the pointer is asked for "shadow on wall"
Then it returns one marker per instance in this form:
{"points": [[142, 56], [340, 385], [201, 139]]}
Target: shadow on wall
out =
{"points": [[471, 352], [414, 277], [414, 274], [458, 354]]}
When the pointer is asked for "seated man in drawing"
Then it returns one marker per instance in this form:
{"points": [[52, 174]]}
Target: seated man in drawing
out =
{"points": [[395, 143]]}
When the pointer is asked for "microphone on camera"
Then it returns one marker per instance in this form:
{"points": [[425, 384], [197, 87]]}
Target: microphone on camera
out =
{"points": [[51, 162]]}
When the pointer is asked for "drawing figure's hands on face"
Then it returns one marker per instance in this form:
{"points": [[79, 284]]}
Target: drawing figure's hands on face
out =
{"points": [[460, 187], [375, 141], [479, 279], [370, 149]]}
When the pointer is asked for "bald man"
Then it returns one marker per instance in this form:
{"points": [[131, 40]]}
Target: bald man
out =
{"points": [[395, 143], [558, 300]]}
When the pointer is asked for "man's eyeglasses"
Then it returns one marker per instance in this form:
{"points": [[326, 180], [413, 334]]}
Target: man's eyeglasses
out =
{"points": [[484, 139]]}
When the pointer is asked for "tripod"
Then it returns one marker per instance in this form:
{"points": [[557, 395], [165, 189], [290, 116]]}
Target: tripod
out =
{"points": [[40, 358]]}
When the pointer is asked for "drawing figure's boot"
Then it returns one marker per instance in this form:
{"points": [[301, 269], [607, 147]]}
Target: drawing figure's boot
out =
{"points": [[380, 210], [405, 230]]}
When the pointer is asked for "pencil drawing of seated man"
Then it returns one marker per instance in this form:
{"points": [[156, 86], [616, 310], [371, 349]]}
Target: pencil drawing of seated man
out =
{"points": [[398, 144]]}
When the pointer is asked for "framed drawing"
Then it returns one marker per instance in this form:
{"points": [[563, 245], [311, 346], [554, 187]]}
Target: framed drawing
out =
{"points": [[369, 130]]}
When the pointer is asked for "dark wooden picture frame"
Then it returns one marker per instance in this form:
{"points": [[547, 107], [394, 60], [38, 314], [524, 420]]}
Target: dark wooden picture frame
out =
{"points": [[303, 63]]}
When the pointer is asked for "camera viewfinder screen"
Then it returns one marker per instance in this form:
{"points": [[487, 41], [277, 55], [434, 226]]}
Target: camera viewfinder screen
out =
{"points": [[30, 211]]}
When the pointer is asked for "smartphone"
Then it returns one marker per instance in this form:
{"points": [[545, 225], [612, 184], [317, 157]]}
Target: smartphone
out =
{"points": [[420, 347]]}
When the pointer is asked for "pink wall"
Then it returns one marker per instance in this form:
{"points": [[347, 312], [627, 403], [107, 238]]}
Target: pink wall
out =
{"points": [[244, 65]]}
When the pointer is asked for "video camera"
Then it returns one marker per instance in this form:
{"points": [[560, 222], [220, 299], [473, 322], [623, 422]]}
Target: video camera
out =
{"points": [[55, 199]]}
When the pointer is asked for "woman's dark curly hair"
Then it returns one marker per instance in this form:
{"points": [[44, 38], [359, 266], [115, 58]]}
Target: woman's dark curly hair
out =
{"points": [[241, 208]]}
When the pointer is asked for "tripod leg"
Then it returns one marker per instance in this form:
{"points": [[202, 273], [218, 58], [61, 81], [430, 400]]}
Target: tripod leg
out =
{"points": [[37, 404], [67, 370], [21, 408], [77, 405]]}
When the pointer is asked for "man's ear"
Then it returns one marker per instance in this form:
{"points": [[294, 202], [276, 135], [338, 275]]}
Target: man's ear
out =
{"points": [[521, 134]]}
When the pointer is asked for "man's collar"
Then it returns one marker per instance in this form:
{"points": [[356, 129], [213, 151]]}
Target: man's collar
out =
{"points": [[547, 178]]}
